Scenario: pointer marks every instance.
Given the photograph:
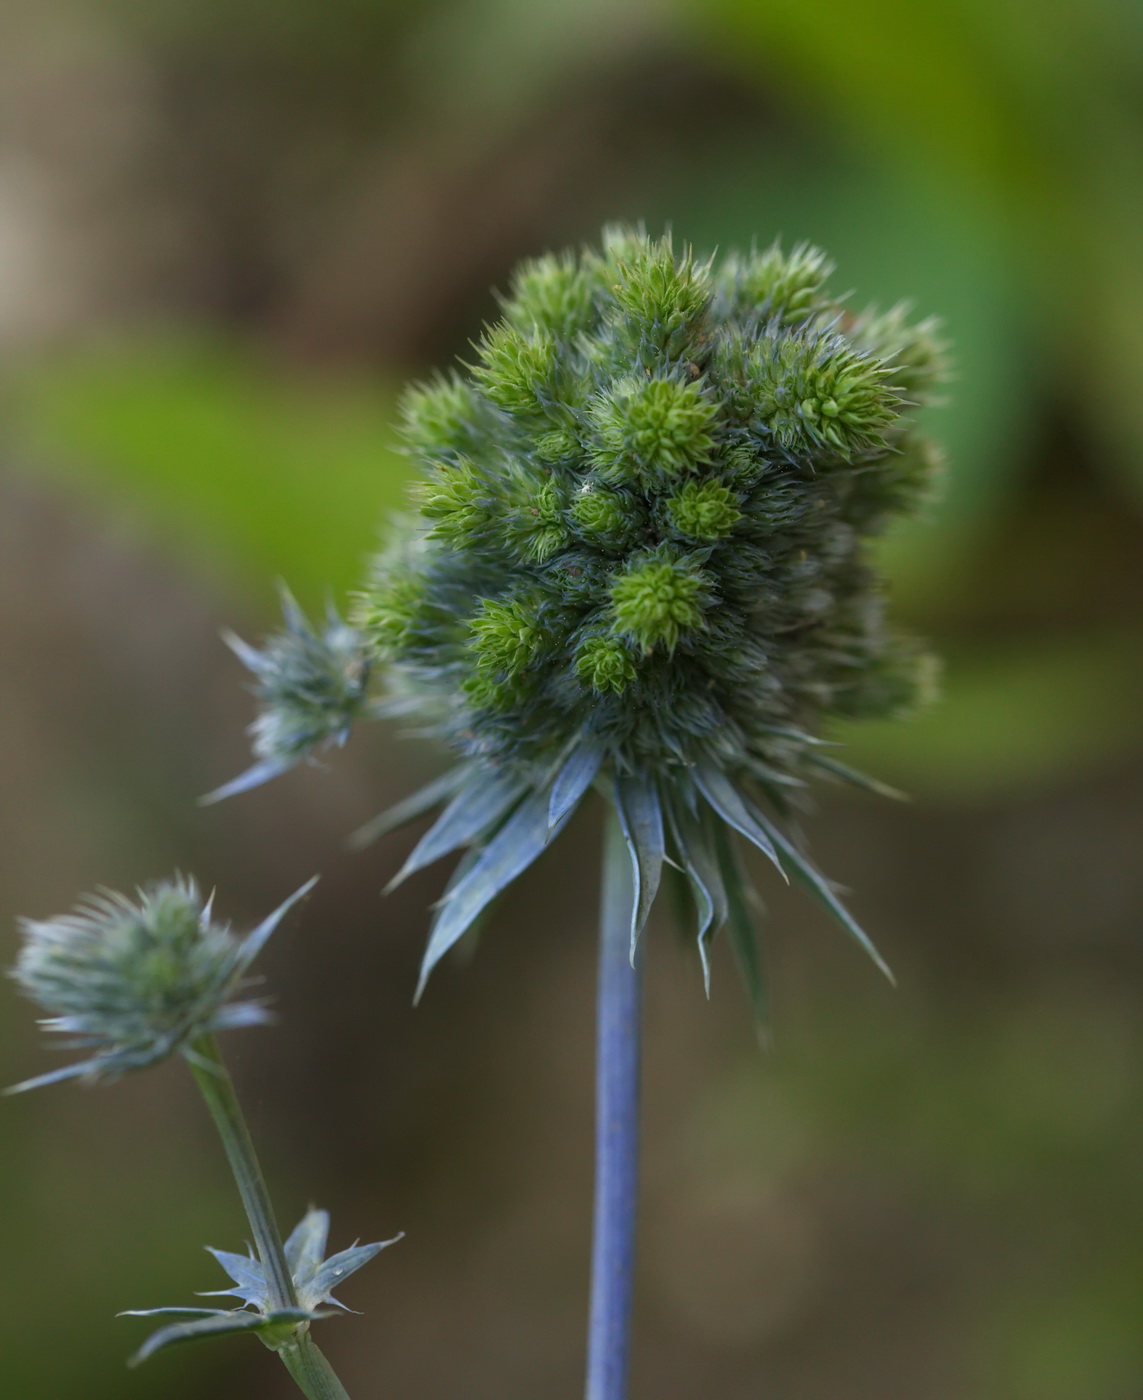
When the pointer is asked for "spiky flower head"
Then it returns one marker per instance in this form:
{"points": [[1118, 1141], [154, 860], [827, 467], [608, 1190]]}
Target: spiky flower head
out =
{"points": [[640, 561], [311, 685], [138, 980]]}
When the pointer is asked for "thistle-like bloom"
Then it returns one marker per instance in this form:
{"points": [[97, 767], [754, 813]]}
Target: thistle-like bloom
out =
{"points": [[136, 981], [640, 562]]}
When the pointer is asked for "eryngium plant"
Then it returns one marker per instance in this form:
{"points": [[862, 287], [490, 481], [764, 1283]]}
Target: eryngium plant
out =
{"points": [[641, 563]]}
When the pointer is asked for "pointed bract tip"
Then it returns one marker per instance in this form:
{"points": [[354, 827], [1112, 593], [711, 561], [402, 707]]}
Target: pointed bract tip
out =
{"points": [[250, 656], [253, 777], [41, 1081]]}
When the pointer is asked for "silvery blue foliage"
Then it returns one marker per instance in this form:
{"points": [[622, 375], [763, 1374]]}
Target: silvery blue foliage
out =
{"points": [[135, 981], [314, 1278]]}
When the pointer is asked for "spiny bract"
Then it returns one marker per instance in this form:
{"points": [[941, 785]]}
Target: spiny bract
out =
{"points": [[640, 561], [314, 1277], [139, 980]]}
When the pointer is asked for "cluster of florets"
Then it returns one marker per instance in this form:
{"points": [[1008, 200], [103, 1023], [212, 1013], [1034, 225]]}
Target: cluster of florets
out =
{"points": [[639, 564], [136, 981], [644, 512]]}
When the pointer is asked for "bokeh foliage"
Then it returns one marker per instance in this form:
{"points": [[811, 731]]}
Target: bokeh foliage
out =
{"points": [[247, 471]]}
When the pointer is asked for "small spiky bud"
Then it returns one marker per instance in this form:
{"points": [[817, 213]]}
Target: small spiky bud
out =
{"points": [[390, 613], [505, 636], [784, 287], [814, 391], [647, 429], [658, 300], [705, 510], [517, 370], [311, 686], [137, 981], [438, 417], [456, 499], [539, 526], [551, 294], [601, 517], [605, 664], [657, 599], [918, 352]]}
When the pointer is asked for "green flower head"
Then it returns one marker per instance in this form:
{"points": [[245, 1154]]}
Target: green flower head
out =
{"points": [[641, 561], [136, 981], [311, 685]]}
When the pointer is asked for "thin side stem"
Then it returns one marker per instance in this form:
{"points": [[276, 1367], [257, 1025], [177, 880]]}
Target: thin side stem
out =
{"points": [[301, 1356], [617, 1127], [213, 1079], [315, 1377]]}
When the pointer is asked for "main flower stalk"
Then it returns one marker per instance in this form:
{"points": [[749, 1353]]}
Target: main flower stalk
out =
{"points": [[617, 1127]]}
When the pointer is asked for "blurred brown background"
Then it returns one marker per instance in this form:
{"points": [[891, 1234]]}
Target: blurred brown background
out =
{"points": [[229, 229]]}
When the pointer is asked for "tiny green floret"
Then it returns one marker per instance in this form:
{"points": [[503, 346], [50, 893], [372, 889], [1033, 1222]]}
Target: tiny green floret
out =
{"points": [[815, 391], [651, 427], [656, 600], [505, 636], [703, 510], [438, 417], [456, 499], [659, 299], [601, 516], [605, 664], [390, 612], [551, 294], [517, 369], [786, 287], [543, 524], [917, 352]]}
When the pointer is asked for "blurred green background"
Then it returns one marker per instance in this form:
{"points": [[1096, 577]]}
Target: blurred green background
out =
{"points": [[229, 230]]}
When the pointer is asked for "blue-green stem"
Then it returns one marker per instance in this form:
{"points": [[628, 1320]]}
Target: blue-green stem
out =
{"points": [[313, 1374], [616, 1127]]}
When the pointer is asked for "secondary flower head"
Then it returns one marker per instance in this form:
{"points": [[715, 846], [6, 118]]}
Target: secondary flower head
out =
{"points": [[136, 981], [640, 561], [312, 684]]}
